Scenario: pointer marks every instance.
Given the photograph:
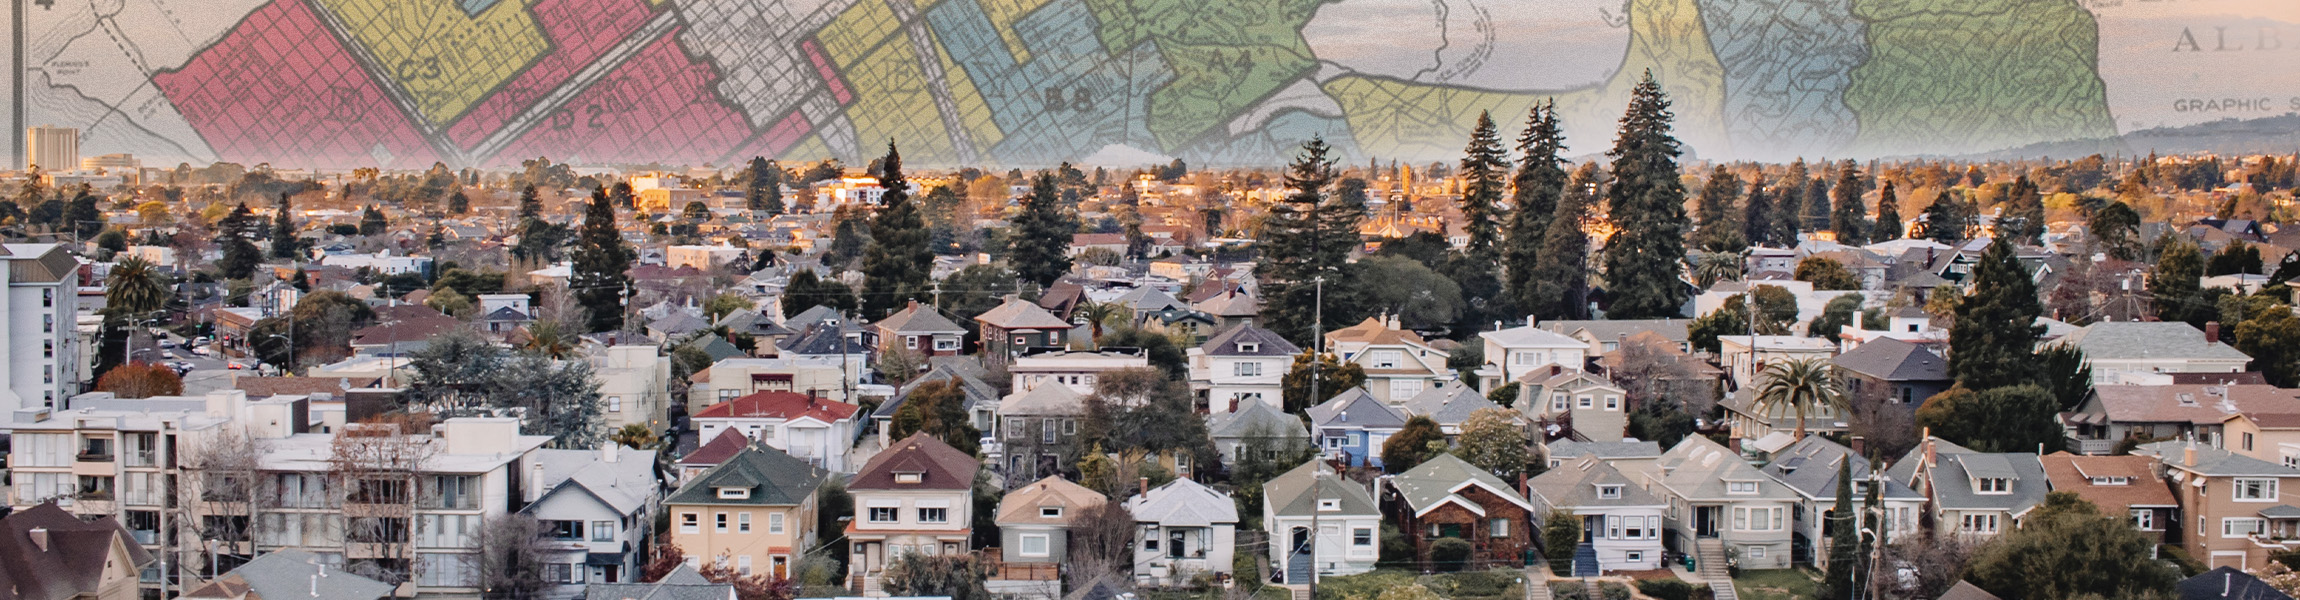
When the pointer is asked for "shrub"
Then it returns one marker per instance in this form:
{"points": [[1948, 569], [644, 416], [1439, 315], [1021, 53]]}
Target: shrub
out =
{"points": [[1666, 589], [1449, 554], [1613, 590], [1568, 590]]}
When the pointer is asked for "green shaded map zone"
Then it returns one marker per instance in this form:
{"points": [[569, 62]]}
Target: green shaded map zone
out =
{"points": [[1959, 76], [1226, 56]]}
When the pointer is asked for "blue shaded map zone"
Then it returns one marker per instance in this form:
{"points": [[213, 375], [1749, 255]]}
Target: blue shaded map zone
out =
{"points": [[1787, 66], [474, 7], [1071, 99]]}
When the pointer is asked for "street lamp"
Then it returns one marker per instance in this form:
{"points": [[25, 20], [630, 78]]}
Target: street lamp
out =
{"points": [[285, 370]]}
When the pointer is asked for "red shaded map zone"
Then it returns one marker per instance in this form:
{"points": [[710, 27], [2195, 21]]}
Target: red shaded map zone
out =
{"points": [[580, 31], [657, 107], [279, 85], [777, 138]]}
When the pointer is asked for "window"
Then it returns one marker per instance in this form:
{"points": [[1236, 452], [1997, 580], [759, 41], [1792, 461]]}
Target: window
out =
{"points": [[1034, 544], [743, 522], [734, 493], [1585, 402], [455, 491], [2254, 490], [1248, 369], [1754, 551], [2144, 519], [743, 564], [614, 404], [945, 344], [1993, 485], [1740, 487], [1050, 512], [563, 530], [1325, 504], [47, 323], [47, 298], [1069, 427], [1404, 389], [1757, 518], [1978, 523], [2111, 481], [910, 341], [1633, 528], [2236, 527], [1498, 527], [2247, 441], [1249, 347], [558, 572], [934, 515], [719, 522], [1612, 403], [48, 350], [690, 523], [1362, 536], [1609, 492], [602, 531], [882, 514], [775, 522], [1014, 428], [1047, 430], [1386, 359], [1635, 557]]}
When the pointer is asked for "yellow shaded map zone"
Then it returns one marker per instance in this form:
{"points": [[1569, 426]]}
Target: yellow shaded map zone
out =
{"points": [[808, 149], [1003, 14], [1666, 37], [857, 30], [973, 110], [892, 102], [445, 59]]}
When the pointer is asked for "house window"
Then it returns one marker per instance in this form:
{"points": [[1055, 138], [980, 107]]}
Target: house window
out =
{"points": [[882, 514], [945, 345], [690, 523], [775, 523], [1585, 402], [1635, 557], [743, 564], [1740, 487], [1362, 536], [1757, 518], [1994, 485], [2248, 441], [1249, 347], [48, 350], [1609, 492], [1754, 551], [1034, 544], [2254, 490], [602, 531], [1978, 523], [1050, 512], [1329, 504], [1612, 403], [1633, 528], [1653, 527], [1499, 527], [1047, 430], [734, 493], [1386, 359], [2111, 481], [934, 515], [2236, 527], [1069, 427], [2144, 519], [1557, 403], [719, 522], [1248, 369], [910, 342], [614, 404], [1403, 389], [743, 522]]}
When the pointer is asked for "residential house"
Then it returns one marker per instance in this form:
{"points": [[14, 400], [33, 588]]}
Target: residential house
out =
{"points": [[1660, 368], [2227, 583], [596, 509], [809, 427], [2115, 348], [2114, 412], [1583, 405], [1183, 529], [1239, 364], [2118, 485], [1621, 522], [1081, 243], [920, 329], [708, 454], [1810, 467], [1635, 458], [499, 314], [1017, 325], [1893, 372], [1078, 369], [733, 378], [753, 513], [1974, 495], [1511, 354], [1142, 302], [981, 398], [1352, 426], [1450, 404], [1769, 429], [289, 574], [1720, 506], [634, 386], [1034, 520], [2273, 437], [1256, 425], [1446, 497], [1908, 323], [1399, 364], [1313, 498], [1605, 336], [914, 496], [2232, 505], [46, 552], [682, 583], [1232, 307], [1036, 429], [1742, 361]]}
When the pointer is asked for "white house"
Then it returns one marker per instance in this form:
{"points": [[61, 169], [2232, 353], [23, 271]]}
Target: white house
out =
{"points": [[1240, 364], [1398, 363], [1514, 352], [1077, 369], [1346, 521], [596, 508], [2115, 348], [811, 428], [1184, 528], [634, 386], [1621, 522]]}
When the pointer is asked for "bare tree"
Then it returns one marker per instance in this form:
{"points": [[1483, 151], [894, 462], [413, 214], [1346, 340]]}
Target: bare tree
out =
{"points": [[1101, 542], [377, 464], [511, 556], [1921, 566], [1652, 369], [225, 492], [1888, 429]]}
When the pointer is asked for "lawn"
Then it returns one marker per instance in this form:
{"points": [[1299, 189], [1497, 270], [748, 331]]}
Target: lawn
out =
{"points": [[1496, 584], [1778, 584]]}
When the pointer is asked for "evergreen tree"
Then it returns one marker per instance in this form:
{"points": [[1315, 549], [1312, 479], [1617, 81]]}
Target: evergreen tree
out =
{"points": [[1815, 211], [1561, 273], [1644, 258], [1974, 178], [1889, 226], [621, 197], [1847, 216], [2173, 284], [895, 266], [284, 240], [1308, 235], [763, 189], [240, 255], [2023, 216], [1843, 538], [1484, 166], [601, 263], [1540, 181], [1717, 232], [458, 202], [1757, 222], [1038, 247], [530, 203], [1946, 220], [1995, 331]]}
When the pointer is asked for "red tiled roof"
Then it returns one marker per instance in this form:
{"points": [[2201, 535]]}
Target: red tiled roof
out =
{"points": [[730, 441], [780, 405]]}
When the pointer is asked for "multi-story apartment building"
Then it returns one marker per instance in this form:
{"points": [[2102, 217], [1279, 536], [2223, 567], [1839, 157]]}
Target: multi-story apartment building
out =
{"points": [[634, 386], [39, 363]]}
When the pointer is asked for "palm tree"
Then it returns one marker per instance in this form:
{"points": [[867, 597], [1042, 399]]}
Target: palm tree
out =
{"points": [[550, 340], [1100, 313], [1713, 267], [634, 435], [135, 289], [1802, 386]]}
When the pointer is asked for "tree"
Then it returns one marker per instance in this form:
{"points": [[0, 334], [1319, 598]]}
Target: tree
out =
{"points": [[1307, 236], [1041, 235], [635, 436], [1843, 539], [955, 576], [2022, 220], [284, 240], [850, 236], [140, 380], [458, 203], [1420, 297], [806, 291], [1847, 216], [2173, 284], [1539, 186], [763, 186], [1101, 543], [1801, 386], [937, 408], [1332, 375], [601, 263], [530, 203], [1560, 535], [1835, 316], [726, 303], [1826, 274], [2007, 419], [511, 556], [1561, 272], [1712, 267], [1815, 213], [1949, 219], [1776, 313], [1411, 444], [1758, 225], [2114, 227], [1161, 351], [241, 257], [1996, 326], [1717, 230], [1477, 267], [1646, 255], [1888, 226], [2272, 338], [2065, 373], [895, 266], [372, 221], [2238, 258], [2065, 548], [1494, 440]]}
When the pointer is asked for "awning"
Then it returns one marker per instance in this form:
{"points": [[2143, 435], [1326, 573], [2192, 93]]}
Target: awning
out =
{"points": [[602, 558], [2281, 511]]}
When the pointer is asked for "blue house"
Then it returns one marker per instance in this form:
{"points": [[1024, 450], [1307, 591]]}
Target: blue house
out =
{"points": [[1353, 425]]}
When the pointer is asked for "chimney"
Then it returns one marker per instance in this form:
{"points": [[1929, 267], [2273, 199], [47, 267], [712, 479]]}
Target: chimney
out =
{"points": [[608, 452], [39, 537], [2227, 580], [1734, 443], [1931, 458], [2212, 332], [1144, 483], [1556, 369], [2188, 454], [1860, 445], [1233, 404], [535, 483]]}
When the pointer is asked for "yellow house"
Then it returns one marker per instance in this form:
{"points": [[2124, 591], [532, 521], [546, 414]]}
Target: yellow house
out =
{"points": [[2271, 437], [755, 512]]}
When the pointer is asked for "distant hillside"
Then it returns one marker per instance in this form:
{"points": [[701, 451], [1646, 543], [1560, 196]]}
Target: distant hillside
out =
{"points": [[2278, 135]]}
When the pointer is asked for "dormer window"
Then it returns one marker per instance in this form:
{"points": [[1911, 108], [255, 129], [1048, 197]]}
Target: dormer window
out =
{"points": [[909, 477], [1050, 512], [1609, 492], [1992, 485], [2112, 481], [1740, 487], [734, 493], [1249, 347], [1329, 504]]}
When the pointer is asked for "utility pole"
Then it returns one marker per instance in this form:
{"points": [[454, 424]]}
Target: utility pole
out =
{"points": [[1317, 355]]}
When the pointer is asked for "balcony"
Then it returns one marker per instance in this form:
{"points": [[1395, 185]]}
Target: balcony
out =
{"points": [[93, 455], [2091, 447]]}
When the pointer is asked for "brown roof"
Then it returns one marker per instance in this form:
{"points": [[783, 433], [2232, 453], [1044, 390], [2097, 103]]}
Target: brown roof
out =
{"points": [[71, 565], [2074, 473], [265, 387], [942, 467], [1372, 331], [2195, 404], [1022, 506], [1097, 239], [730, 441], [1016, 313], [412, 330]]}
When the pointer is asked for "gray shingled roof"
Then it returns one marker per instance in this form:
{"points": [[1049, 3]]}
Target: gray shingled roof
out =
{"points": [[1894, 360], [1697, 469], [1448, 403], [1810, 467], [1606, 331], [2135, 340], [1437, 479], [292, 573], [1183, 503], [1252, 414], [2212, 461], [1296, 493], [1952, 479], [1265, 342], [1355, 409], [1568, 449], [682, 583], [1574, 485]]}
